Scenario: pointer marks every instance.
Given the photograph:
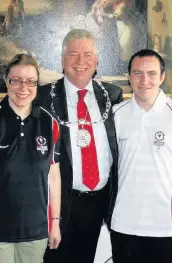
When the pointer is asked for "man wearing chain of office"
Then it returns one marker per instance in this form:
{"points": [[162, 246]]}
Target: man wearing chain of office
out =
{"points": [[88, 148]]}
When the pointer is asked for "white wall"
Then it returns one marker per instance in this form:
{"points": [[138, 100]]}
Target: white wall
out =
{"points": [[103, 252]]}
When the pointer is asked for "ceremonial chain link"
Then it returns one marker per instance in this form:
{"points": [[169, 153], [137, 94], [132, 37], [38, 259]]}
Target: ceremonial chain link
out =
{"points": [[82, 121]]}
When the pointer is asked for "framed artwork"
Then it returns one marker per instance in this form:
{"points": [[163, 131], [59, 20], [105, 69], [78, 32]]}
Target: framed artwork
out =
{"points": [[159, 17], [38, 27]]}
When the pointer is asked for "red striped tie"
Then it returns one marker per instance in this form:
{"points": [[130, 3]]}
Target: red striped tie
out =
{"points": [[90, 171]]}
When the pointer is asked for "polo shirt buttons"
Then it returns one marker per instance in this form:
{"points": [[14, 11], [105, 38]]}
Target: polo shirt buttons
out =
{"points": [[22, 134], [17, 117], [0, 106]]}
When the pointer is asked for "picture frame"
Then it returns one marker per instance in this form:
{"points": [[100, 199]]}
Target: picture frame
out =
{"points": [[120, 28]]}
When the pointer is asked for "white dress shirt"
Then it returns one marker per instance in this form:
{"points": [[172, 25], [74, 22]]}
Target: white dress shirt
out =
{"points": [[104, 155]]}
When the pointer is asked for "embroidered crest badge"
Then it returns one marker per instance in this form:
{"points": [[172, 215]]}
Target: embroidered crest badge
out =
{"points": [[159, 139], [41, 144]]}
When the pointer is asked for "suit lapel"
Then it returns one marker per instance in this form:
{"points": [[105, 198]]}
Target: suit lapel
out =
{"points": [[60, 104], [109, 122]]}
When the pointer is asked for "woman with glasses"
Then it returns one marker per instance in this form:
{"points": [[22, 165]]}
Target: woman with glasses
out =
{"points": [[29, 169]]}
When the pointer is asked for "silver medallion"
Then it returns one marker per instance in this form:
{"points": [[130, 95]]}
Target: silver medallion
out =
{"points": [[83, 138]]}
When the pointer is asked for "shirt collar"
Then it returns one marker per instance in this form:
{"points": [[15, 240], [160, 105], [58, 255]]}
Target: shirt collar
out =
{"points": [[160, 101], [7, 110], [35, 112], [157, 106], [135, 107], [71, 89]]}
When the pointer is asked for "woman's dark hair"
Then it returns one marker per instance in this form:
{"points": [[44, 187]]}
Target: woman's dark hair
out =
{"points": [[21, 59]]}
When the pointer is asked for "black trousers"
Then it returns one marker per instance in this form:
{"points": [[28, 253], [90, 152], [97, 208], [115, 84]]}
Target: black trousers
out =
{"points": [[138, 249], [80, 240]]}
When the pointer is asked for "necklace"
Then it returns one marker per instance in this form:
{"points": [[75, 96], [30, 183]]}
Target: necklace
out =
{"points": [[82, 121]]}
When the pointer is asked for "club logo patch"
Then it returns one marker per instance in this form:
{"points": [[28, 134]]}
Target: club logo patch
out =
{"points": [[159, 139], [41, 144]]}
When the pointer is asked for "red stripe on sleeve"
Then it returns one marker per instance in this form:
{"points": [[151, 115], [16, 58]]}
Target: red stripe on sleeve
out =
{"points": [[55, 131], [55, 134]]}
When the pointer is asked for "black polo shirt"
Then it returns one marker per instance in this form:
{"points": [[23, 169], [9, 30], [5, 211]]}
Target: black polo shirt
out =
{"points": [[27, 148]]}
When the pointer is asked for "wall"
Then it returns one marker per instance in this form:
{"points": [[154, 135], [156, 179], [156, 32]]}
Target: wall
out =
{"points": [[159, 27], [160, 34]]}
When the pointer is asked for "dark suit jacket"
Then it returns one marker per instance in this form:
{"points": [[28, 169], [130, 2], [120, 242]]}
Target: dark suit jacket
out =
{"points": [[60, 105]]}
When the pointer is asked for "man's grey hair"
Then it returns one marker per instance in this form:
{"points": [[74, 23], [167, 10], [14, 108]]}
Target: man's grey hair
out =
{"points": [[78, 34]]}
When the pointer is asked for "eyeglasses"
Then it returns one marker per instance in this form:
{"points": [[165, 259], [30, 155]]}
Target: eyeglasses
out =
{"points": [[17, 82]]}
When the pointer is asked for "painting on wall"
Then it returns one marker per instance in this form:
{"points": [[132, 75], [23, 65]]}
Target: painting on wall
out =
{"points": [[38, 27], [159, 17]]}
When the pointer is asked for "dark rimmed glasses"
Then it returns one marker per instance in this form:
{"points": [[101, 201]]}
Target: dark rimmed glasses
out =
{"points": [[18, 82]]}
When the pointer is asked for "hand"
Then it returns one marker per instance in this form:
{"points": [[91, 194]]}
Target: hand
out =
{"points": [[55, 235]]}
